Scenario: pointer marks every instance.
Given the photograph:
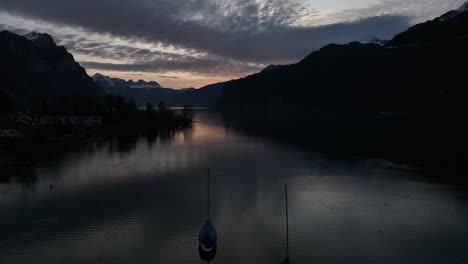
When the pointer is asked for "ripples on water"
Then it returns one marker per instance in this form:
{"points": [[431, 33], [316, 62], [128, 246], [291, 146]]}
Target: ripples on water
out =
{"points": [[136, 199]]}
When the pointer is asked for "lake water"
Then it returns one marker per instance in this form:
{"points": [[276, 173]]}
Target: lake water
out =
{"points": [[142, 200]]}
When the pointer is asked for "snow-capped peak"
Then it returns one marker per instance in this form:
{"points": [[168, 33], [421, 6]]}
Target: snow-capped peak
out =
{"points": [[454, 13], [141, 84], [463, 8], [41, 40], [114, 82], [374, 40], [99, 76], [33, 36], [102, 78]]}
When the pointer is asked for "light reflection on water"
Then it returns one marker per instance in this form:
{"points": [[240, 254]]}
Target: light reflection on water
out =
{"points": [[141, 200]]}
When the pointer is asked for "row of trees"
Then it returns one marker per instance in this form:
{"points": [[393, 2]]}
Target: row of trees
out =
{"points": [[122, 111], [114, 110]]}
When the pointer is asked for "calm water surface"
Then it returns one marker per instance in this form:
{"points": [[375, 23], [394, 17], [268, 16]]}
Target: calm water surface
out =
{"points": [[142, 200]]}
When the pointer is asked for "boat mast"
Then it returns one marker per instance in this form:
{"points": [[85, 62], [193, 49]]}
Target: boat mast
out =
{"points": [[287, 219], [208, 197]]}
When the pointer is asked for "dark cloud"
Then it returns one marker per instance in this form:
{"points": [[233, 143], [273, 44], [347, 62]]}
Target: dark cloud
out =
{"points": [[16, 30], [193, 65], [243, 30], [168, 77], [116, 52], [417, 10], [135, 74]]}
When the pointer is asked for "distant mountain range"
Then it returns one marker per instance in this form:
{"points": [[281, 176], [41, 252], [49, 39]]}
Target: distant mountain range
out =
{"points": [[109, 83], [421, 69], [35, 69], [143, 92]]}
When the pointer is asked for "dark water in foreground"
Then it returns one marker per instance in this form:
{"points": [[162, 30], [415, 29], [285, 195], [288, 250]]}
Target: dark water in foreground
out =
{"points": [[141, 200]]}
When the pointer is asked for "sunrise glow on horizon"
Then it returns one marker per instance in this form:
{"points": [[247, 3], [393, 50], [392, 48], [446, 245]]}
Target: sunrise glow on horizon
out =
{"points": [[199, 43]]}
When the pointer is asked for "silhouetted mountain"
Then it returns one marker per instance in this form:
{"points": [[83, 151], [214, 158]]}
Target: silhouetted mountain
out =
{"points": [[450, 27], [143, 92], [399, 76], [206, 96], [109, 82], [35, 69], [374, 40], [272, 68], [143, 85]]}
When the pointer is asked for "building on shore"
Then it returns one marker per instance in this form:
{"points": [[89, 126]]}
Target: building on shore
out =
{"points": [[10, 131]]}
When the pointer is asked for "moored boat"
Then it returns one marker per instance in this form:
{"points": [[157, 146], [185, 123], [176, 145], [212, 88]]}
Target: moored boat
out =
{"points": [[207, 237]]}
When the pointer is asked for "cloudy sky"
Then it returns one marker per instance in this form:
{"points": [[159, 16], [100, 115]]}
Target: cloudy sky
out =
{"points": [[191, 43]]}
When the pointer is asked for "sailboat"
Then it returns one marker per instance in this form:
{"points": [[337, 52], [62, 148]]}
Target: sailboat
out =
{"points": [[286, 260], [207, 237]]}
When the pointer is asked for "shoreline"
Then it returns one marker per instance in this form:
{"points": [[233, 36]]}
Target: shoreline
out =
{"points": [[19, 158]]}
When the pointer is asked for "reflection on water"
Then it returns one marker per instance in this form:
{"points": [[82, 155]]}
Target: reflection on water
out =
{"points": [[207, 256], [140, 199]]}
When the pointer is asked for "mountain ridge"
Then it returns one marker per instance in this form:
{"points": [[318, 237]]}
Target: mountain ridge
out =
{"points": [[140, 84], [36, 69], [143, 92], [447, 28], [398, 76]]}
